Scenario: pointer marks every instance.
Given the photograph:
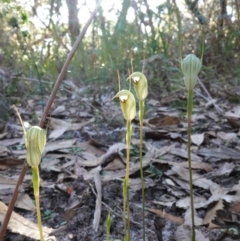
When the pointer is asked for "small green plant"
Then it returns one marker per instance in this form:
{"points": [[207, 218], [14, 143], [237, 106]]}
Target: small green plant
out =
{"points": [[191, 66], [141, 89], [108, 225], [128, 106], [35, 141]]}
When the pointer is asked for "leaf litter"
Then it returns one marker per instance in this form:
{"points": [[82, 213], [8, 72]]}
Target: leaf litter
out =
{"points": [[84, 164]]}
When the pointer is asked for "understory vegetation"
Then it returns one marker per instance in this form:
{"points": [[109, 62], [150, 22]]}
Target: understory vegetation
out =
{"points": [[157, 47], [36, 38]]}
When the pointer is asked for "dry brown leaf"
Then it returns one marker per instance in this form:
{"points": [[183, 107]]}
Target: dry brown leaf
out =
{"points": [[200, 236], [183, 153], [169, 182], [197, 139], [56, 145], [58, 110], [88, 163], [236, 187], [165, 215], [115, 164], [234, 122], [188, 218], [96, 143], [87, 156], [184, 203], [10, 142], [211, 214], [90, 157], [165, 200], [197, 116], [50, 164], [183, 233], [218, 153], [58, 132], [72, 210], [159, 152], [176, 192], [135, 183], [198, 180], [221, 193], [10, 163], [163, 121], [226, 136], [224, 169], [86, 146], [2, 135], [61, 126], [235, 112], [235, 208], [3, 151], [183, 184], [7, 182], [213, 116], [134, 167], [25, 202], [195, 165], [153, 102], [112, 151], [21, 225], [82, 172]]}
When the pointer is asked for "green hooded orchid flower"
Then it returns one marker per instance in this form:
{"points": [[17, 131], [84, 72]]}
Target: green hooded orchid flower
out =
{"points": [[191, 65], [35, 141], [140, 84], [127, 103]]}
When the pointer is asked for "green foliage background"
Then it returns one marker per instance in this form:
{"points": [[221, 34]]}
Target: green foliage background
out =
{"points": [[29, 53]]}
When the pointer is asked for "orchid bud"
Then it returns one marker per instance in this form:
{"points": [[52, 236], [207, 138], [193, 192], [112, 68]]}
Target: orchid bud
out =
{"points": [[191, 66], [127, 103], [35, 142], [140, 84]]}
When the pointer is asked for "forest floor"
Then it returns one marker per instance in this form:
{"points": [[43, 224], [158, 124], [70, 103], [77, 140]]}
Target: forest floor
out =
{"points": [[83, 168]]}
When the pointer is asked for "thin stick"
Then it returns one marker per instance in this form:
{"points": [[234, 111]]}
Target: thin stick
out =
{"points": [[116, 214], [44, 116], [219, 110]]}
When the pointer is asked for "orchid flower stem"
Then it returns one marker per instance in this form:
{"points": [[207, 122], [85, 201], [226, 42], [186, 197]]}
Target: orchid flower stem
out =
{"points": [[36, 184], [141, 114], [125, 190], [126, 184], [189, 117]]}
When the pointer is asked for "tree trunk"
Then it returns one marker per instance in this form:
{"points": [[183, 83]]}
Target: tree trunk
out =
{"points": [[73, 22]]}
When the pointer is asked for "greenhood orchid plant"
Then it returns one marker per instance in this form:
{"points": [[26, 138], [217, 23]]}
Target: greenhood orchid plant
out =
{"points": [[140, 85], [191, 65], [35, 141], [128, 106]]}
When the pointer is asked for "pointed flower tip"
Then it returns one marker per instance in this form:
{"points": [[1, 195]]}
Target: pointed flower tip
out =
{"points": [[122, 95], [136, 76], [127, 103], [191, 66], [140, 84]]}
